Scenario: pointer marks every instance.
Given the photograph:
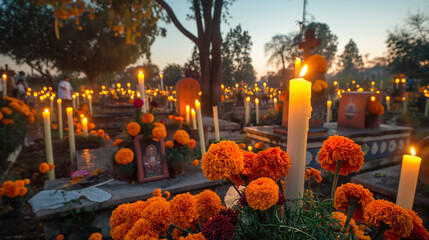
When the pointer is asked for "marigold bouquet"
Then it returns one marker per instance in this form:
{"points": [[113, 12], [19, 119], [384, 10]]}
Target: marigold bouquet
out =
{"points": [[181, 150]]}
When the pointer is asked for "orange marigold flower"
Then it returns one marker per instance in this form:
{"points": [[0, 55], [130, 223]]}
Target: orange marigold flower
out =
{"points": [[338, 148], [169, 144], [43, 167], [283, 96], [391, 214], [260, 145], [19, 183], [79, 126], [159, 133], [119, 232], [54, 126], [118, 215], [101, 133], [262, 193], [91, 126], [194, 236], [124, 156], [249, 157], [157, 193], [167, 194], [341, 218], [147, 118], [181, 137], [279, 107], [272, 163], [158, 216], [242, 145], [6, 110], [375, 107], [191, 144], [349, 191], [27, 181], [170, 117], [195, 163], [118, 142], [317, 63], [207, 205], [133, 128], [141, 227], [222, 160], [51, 166], [93, 132], [418, 232], [157, 124], [11, 190], [96, 236], [183, 209], [6, 121], [147, 237], [59, 237], [134, 211], [107, 137], [313, 173]]}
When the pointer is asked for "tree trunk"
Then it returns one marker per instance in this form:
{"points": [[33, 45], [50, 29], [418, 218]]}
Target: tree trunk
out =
{"points": [[92, 81], [216, 61], [205, 76]]}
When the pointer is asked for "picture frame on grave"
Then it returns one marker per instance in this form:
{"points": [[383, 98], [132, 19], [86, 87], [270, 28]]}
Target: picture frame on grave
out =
{"points": [[151, 162]]}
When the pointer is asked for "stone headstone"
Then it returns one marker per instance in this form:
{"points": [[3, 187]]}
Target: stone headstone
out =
{"points": [[187, 91]]}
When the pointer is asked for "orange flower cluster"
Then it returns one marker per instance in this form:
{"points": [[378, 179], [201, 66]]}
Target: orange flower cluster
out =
{"points": [[14, 189], [337, 148], [183, 209], [341, 218], [133, 129], [313, 173], [195, 163], [319, 85], [191, 144], [222, 160], [260, 145], [181, 137], [207, 205], [124, 156], [349, 191], [45, 167], [96, 236], [396, 217], [375, 107], [169, 144], [158, 215], [317, 63], [242, 145], [262, 193], [272, 163], [147, 118], [419, 231], [118, 142], [195, 236], [159, 131]]}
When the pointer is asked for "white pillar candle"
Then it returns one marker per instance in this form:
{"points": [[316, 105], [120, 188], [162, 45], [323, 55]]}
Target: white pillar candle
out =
{"points": [[162, 82], [297, 66], [188, 112], [4, 77], [257, 110], [427, 107], [404, 105], [275, 103], [408, 180], [77, 101], [71, 134], [74, 101], [194, 120], [247, 111], [142, 90], [328, 111], [216, 123], [48, 142], [60, 119], [388, 103], [51, 106], [85, 126], [300, 109], [200, 127], [90, 103]]}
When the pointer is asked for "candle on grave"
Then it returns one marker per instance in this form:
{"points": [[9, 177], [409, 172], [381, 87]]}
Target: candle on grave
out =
{"points": [[404, 105], [250, 148], [188, 112], [300, 109], [60, 119], [74, 101], [200, 127], [328, 111], [128, 86], [408, 180], [4, 77], [396, 83], [388, 103], [275, 103], [90, 103], [71, 134], [216, 123], [162, 82], [194, 120], [427, 107], [142, 90], [77, 100], [48, 141], [51, 106], [297, 66], [336, 84], [247, 111], [85, 127], [236, 87], [257, 110]]}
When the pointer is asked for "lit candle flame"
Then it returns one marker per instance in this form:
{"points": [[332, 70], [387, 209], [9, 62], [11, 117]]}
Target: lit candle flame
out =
{"points": [[46, 110], [303, 71], [387, 98], [256, 100], [4, 76], [248, 99], [373, 98], [84, 120], [413, 152], [403, 80]]}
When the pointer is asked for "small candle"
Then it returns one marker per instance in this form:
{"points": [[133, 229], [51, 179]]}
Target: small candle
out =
{"points": [[48, 142], [142, 90], [388, 103], [4, 77], [74, 101], [162, 82], [427, 107], [275, 103], [247, 111], [51, 106], [90, 103], [71, 134], [257, 110], [85, 126], [77, 100], [216, 123], [194, 120], [249, 148], [328, 111], [200, 127], [297, 66], [188, 111], [408, 180], [60, 119], [404, 105]]}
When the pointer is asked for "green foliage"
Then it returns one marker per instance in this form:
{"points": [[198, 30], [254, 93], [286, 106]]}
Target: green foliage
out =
{"points": [[180, 155], [194, 62], [350, 59], [173, 73]]}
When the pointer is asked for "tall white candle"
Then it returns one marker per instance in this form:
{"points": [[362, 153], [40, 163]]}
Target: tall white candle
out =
{"points": [[90, 103], [404, 105], [142, 90], [4, 77], [216, 123], [74, 101], [388, 103], [71, 134], [162, 82], [247, 111], [51, 106], [48, 142], [85, 126], [328, 111], [408, 180], [194, 120], [188, 112], [200, 127], [300, 109], [60, 118], [77, 100], [275, 103], [257, 110]]}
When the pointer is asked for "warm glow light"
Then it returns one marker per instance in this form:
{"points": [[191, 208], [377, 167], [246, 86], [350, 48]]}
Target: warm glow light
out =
{"points": [[58, 100], [236, 85], [373, 98], [403, 99], [128, 84], [275, 100], [256, 100], [372, 83], [200, 93], [353, 82], [303, 71], [84, 120], [141, 73], [335, 83], [413, 152], [387, 98], [248, 99], [403, 80], [192, 111], [89, 96], [250, 148], [397, 80], [4, 76], [52, 98], [46, 110]]}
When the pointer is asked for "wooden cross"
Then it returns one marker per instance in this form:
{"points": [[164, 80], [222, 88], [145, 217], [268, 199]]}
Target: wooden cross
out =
{"points": [[310, 43]]}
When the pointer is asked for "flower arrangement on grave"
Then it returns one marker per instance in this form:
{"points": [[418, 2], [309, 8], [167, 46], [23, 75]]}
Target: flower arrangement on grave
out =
{"points": [[374, 107], [15, 117], [13, 192], [261, 210], [181, 150], [319, 66]]}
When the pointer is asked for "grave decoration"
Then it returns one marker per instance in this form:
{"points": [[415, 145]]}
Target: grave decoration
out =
{"points": [[180, 152], [141, 153], [187, 91], [15, 116], [13, 193], [260, 210]]}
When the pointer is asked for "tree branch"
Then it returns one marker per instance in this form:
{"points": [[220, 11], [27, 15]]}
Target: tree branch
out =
{"points": [[197, 10], [176, 22], [207, 11]]}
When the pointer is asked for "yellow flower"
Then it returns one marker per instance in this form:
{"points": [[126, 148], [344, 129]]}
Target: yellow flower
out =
{"points": [[262, 193], [349, 191], [222, 160], [169, 144], [6, 110], [124, 156], [133, 129], [183, 210], [181, 137], [191, 144], [207, 205], [147, 118], [95, 236]]}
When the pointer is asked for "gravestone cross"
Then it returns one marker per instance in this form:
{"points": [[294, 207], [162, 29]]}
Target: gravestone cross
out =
{"points": [[309, 43]]}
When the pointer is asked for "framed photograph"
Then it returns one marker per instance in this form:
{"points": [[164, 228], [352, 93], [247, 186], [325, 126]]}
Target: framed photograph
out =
{"points": [[352, 109], [150, 155]]}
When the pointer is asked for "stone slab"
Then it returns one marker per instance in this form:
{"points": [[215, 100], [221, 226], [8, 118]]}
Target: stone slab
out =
{"points": [[224, 125], [383, 145]]}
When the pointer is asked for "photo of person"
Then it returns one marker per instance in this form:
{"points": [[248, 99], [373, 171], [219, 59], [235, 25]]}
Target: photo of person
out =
{"points": [[152, 162]]}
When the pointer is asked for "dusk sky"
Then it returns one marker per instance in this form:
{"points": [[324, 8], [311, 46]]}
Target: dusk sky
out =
{"points": [[367, 22]]}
